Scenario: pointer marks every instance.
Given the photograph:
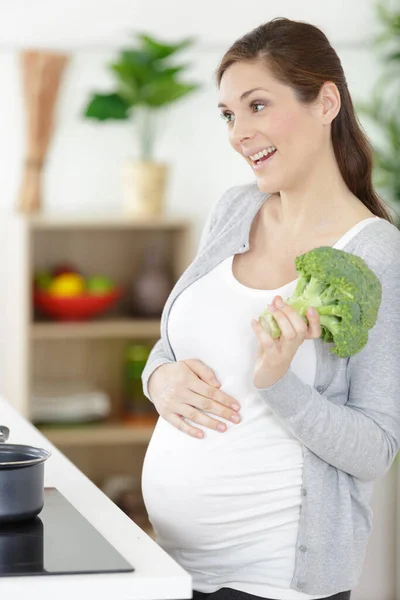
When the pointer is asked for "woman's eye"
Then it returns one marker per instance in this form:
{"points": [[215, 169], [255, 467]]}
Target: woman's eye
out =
{"points": [[226, 115], [257, 104]]}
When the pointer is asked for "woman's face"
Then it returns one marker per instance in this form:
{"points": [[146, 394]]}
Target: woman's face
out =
{"points": [[271, 116]]}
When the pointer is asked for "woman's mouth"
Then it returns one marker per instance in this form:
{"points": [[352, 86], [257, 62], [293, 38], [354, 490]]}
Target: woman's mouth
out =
{"points": [[260, 164]]}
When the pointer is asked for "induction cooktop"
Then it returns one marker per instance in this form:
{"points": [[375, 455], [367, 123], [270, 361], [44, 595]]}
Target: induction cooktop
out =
{"points": [[56, 542]]}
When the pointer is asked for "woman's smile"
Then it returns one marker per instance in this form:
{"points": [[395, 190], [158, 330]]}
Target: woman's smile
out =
{"points": [[261, 163]]}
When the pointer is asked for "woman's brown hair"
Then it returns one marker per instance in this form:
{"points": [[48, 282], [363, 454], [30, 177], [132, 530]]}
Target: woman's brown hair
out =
{"points": [[299, 55]]}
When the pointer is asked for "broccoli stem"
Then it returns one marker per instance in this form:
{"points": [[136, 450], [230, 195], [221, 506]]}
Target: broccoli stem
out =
{"points": [[331, 323], [330, 317], [307, 293]]}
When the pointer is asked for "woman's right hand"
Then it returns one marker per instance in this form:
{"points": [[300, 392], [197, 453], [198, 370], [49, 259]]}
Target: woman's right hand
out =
{"points": [[184, 389]]}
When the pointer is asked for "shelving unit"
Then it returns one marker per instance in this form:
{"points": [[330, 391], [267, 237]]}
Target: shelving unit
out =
{"points": [[104, 434], [110, 328], [37, 348], [108, 244]]}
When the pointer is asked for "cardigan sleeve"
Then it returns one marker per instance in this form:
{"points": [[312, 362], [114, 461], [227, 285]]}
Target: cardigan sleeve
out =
{"points": [[361, 437], [159, 355]]}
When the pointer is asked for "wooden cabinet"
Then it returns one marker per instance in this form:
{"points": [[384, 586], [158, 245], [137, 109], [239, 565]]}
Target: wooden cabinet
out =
{"points": [[35, 348]]}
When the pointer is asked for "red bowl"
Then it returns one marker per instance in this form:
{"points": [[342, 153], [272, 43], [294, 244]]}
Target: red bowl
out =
{"points": [[75, 308]]}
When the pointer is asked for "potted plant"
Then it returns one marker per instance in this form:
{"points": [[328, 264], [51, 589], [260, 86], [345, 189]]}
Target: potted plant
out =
{"points": [[145, 83], [382, 109]]}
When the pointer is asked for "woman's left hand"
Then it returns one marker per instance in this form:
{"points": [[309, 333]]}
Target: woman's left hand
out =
{"points": [[275, 356]]}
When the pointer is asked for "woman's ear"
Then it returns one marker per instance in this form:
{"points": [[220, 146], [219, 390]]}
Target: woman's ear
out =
{"points": [[329, 102]]}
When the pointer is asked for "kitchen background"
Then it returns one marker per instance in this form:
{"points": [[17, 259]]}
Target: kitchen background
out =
{"points": [[73, 220]]}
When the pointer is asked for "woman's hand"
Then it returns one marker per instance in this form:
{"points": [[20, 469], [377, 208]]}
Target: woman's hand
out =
{"points": [[275, 356], [186, 388]]}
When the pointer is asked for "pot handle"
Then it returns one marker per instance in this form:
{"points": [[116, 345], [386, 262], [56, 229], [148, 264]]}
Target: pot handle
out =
{"points": [[4, 433]]}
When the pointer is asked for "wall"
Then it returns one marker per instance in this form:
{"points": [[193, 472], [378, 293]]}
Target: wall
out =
{"points": [[83, 165], [82, 172]]}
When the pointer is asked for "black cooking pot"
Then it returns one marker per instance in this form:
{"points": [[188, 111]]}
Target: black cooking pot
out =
{"points": [[21, 479]]}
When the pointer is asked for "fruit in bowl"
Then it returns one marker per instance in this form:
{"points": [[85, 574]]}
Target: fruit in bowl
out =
{"points": [[67, 285], [99, 285], [68, 296], [42, 280]]}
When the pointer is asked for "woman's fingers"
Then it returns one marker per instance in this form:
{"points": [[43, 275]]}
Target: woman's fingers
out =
{"points": [[288, 319], [292, 324], [198, 416], [213, 400], [194, 407], [180, 423], [314, 329], [195, 416], [193, 404]]}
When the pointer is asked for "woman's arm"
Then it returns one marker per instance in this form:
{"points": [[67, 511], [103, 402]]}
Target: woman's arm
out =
{"points": [[157, 357], [363, 436]]}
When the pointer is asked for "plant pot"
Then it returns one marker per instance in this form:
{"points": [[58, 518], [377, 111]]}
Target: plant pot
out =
{"points": [[144, 184]]}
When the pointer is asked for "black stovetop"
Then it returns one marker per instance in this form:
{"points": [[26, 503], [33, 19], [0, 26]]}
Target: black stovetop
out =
{"points": [[56, 542]]}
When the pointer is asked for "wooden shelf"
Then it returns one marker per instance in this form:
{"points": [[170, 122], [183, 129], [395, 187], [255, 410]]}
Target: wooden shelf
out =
{"points": [[115, 328], [106, 434], [105, 221]]}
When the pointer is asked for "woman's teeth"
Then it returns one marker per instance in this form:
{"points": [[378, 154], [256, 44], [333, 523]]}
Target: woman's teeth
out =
{"points": [[265, 152], [261, 163]]}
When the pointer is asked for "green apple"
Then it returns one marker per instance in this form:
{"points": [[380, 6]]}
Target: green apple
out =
{"points": [[42, 280], [99, 284]]}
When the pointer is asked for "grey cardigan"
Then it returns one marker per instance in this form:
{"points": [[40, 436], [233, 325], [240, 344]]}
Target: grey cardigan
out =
{"points": [[348, 423]]}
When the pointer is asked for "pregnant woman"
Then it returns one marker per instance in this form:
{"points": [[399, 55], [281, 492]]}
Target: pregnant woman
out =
{"points": [[259, 472]]}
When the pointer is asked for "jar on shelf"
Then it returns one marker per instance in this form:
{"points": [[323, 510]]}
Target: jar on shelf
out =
{"points": [[136, 407], [153, 283]]}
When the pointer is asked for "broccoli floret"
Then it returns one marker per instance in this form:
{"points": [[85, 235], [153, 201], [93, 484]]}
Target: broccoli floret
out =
{"points": [[345, 292]]}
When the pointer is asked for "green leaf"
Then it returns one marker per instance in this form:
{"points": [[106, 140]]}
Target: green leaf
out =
{"points": [[140, 71], [136, 57], [170, 71], [159, 50], [165, 91], [107, 106], [383, 13], [393, 129], [389, 19], [394, 56], [128, 87]]}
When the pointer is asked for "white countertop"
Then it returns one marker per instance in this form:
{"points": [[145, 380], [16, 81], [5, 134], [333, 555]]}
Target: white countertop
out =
{"points": [[156, 576]]}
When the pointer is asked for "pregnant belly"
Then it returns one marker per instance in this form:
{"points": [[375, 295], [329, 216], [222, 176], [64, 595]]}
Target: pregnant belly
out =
{"points": [[225, 488]]}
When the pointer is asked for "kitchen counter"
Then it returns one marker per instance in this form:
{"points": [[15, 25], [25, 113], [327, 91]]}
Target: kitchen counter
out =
{"points": [[156, 575]]}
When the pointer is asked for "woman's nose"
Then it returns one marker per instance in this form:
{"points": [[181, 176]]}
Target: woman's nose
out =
{"points": [[241, 131]]}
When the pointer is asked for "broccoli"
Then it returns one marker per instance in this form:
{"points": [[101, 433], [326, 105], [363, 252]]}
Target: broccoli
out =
{"points": [[345, 292]]}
